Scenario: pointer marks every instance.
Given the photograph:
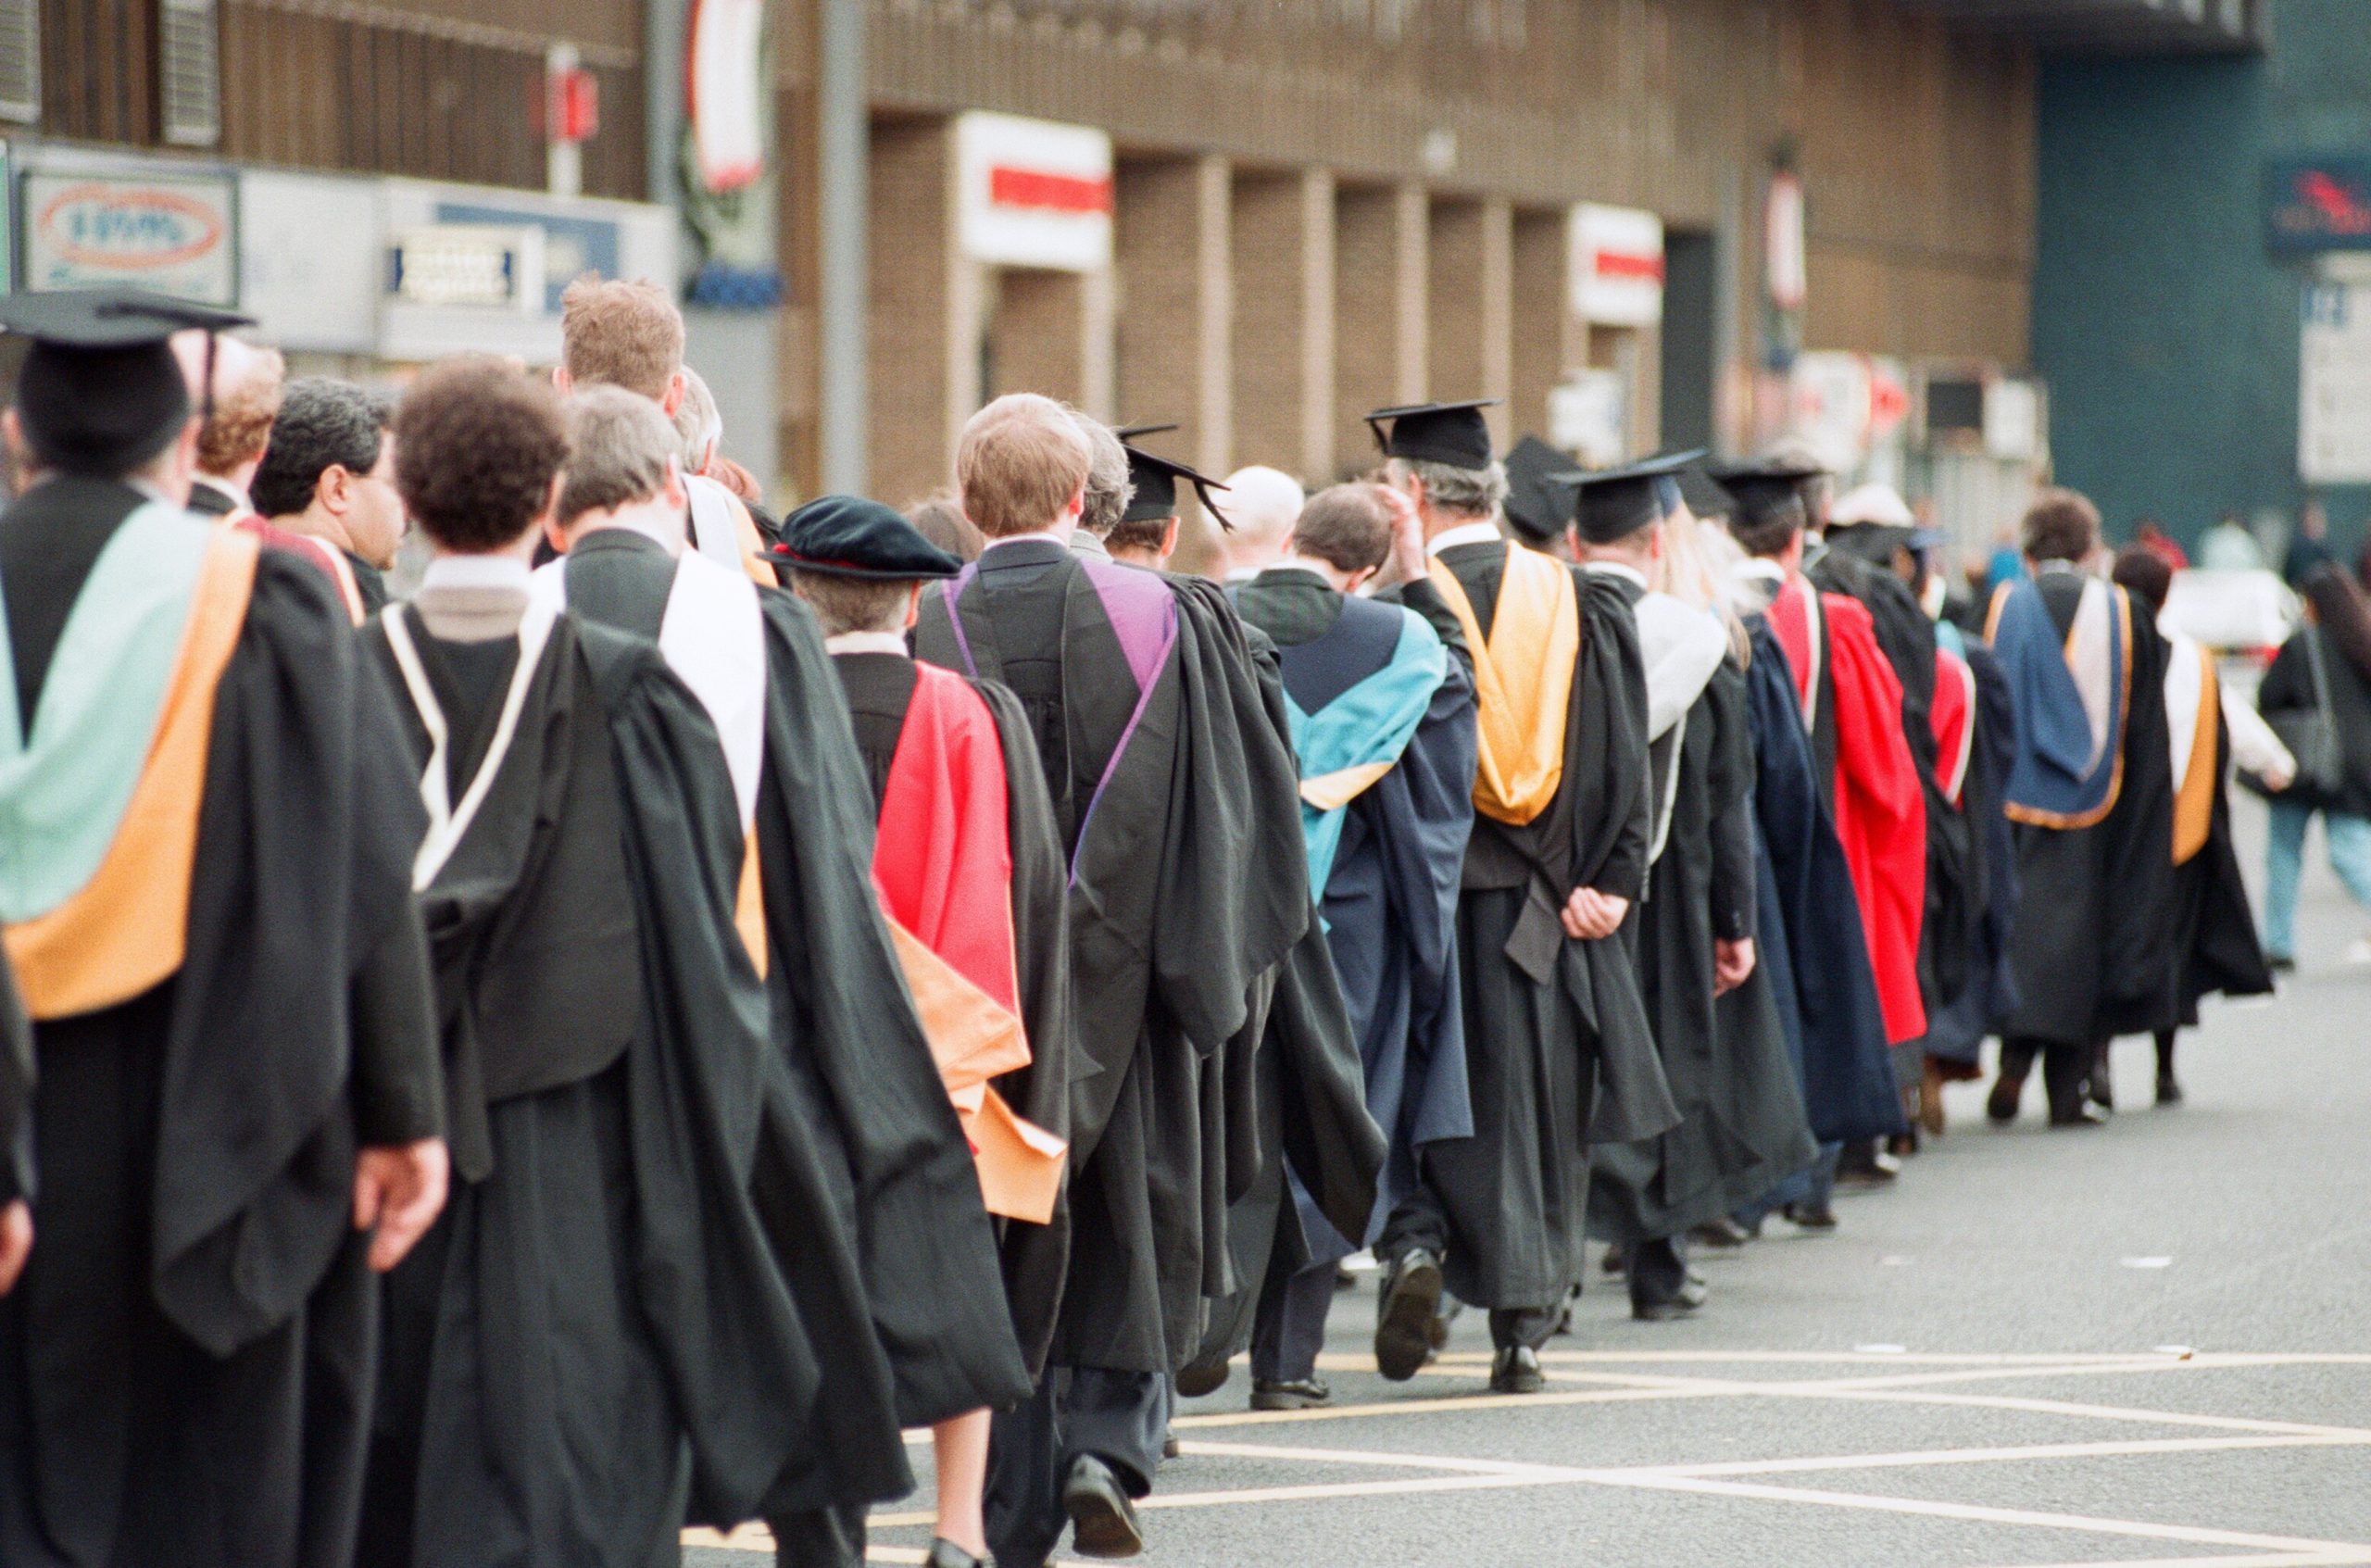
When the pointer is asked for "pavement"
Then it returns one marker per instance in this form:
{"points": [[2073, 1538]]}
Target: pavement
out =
{"points": [[2145, 1344]]}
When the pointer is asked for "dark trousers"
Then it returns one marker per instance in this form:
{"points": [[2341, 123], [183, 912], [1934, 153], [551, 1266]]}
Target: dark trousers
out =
{"points": [[1290, 1328], [1118, 1417], [1657, 1271], [829, 1537], [1421, 1221], [2065, 1070]]}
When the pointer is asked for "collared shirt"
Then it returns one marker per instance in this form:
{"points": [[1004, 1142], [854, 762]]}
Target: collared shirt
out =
{"points": [[867, 642], [2049, 567], [658, 525], [1465, 533], [476, 572], [1050, 535], [1619, 568], [1245, 574], [1086, 543], [1761, 567], [228, 491]]}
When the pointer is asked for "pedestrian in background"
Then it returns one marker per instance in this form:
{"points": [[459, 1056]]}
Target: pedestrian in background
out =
{"points": [[2324, 668]]}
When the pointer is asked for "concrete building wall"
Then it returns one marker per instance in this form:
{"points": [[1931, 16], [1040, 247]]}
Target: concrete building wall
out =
{"points": [[2168, 334]]}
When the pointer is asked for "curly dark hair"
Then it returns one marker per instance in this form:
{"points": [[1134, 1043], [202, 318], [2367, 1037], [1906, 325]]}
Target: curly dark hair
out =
{"points": [[2061, 525], [477, 444], [323, 423]]}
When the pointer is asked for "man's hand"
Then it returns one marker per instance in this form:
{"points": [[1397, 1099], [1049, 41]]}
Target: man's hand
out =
{"points": [[1408, 560], [1732, 964], [16, 1242], [1589, 915], [401, 1191], [2277, 779]]}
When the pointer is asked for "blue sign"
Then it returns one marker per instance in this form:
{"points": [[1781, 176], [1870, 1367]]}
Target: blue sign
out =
{"points": [[573, 246], [2318, 203]]}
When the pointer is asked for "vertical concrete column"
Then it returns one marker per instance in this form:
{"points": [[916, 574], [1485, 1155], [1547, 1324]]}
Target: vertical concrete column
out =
{"points": [[1317, 335], [922, 328], [1098, 307], [1173, 341], [1456, 320], [1496, 302], [1379, 320]]}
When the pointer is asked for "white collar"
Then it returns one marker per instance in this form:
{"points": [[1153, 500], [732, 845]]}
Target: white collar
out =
{"points": [[1300, 567], [1618, 569], [2054, 567], [1761, 567], [1464, 533], [1046, 533], [867, 642], [658, 526], [1086, 543], [1246, 573], [476, 572], [224, 487]]}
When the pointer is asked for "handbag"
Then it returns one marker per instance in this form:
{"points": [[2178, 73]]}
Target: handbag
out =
{"points": [[2311, 733]]}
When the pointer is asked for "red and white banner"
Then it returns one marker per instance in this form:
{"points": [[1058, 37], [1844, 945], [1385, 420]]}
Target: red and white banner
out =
{"points": [[724, 91], [1616, 265], [1034, 193]]}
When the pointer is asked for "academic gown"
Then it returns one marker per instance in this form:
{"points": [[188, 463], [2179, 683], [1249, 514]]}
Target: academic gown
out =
{"points": [[1810, 939], [1956, 1032], [185, 1363], [1389, 898], [880, 689], [1175, 795], [1559, 1053], [2212, 932], [852, 1073], [2089, 947], [594, 1344], [16, 1092], [1742, 1127]]}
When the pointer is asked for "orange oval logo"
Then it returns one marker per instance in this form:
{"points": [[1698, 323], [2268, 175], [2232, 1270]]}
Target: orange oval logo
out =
{"points": [[136, 229]]}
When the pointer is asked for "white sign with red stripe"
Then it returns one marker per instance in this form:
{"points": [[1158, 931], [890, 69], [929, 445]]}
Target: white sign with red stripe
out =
{"points": [[1617, 265], [1034, 193]]}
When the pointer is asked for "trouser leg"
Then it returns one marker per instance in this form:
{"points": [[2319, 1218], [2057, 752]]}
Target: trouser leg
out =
{"points": [[2165, 1052], [1658, 1270], [1419, 1220], [1023, 1500], [1528, 1326], [2017, 1054], [1120, 1418], [2284, 858], [2066, 1073], [826, 1538], [2349, 838], [1290, 1330]]}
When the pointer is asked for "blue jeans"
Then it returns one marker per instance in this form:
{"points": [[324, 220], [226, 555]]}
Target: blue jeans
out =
{"points": [[2349, 852]]}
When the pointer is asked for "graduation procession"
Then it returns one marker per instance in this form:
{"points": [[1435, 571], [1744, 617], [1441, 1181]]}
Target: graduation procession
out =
{"points": [[1094, 780]]}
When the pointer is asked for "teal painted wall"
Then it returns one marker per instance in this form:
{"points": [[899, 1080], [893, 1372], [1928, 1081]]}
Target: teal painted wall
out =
{"points": [[2168, 334]]}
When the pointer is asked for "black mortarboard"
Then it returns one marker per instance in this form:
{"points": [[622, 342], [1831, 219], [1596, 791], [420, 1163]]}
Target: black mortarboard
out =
{"points": [[1454, 434], [100, 392], [1540, 492], [850, 537], [1704, 497], [1616, 503], [1768, 490], [1155, 479]]}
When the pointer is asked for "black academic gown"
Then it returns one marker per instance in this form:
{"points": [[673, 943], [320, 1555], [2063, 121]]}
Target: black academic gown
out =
{"points": [[1742, 1127], [186, 1364], [2213, 932], [1811, 941], [1956, 1032], [16, 1092], [2090, 949], [879, 687], [1559, 1051], [852, 1074], [595, 1343], [1181, 845]]}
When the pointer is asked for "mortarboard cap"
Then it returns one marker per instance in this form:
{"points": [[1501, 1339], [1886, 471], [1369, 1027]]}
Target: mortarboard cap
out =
{"points": [[1541, 493], [1155, 479], [100, 393], [1616, 503], [1704, 497], [1768, 490], [1454, 434], [850, 537]]}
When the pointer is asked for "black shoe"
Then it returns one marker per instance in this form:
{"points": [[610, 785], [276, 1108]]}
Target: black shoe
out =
{"points": [[1169, 1448], [1403, 1329], [945, 1553], [1721, 1234], [1810, 1216], [1692, 1294], [2085, 1114], [1203, 1377], [2281, 963], [2001, 1105], [1103, 1522], [1866, 1165], [2169, 1089], [1305, 1394], [1616, 1261], [1516, 1371]]}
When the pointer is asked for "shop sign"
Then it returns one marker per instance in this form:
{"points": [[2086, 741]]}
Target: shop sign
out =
{"points": [[571, 247], [469, 266], [2333, 392], [1617, 265], [176, 234], [1034, 193], [2316, 205]]}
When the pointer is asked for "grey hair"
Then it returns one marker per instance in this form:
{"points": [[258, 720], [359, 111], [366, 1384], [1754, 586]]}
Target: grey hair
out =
{"points": [[698, 422], [1108, 489], [619, 446], [1474, 493]]}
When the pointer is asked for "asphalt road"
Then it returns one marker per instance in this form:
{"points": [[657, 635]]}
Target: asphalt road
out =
{"points": [[2146, 1344]]}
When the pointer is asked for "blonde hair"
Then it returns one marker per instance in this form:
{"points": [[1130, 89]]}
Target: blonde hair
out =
{"points": [[1022, 459], [620, 333], [1698, 568], [247, 401]]}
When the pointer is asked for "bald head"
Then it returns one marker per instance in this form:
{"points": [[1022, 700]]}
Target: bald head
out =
{"points": [[1262, 504]]}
